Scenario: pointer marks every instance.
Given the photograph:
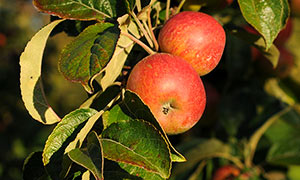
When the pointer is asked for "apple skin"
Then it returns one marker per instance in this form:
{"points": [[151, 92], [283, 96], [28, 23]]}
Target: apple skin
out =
{"points": [[171, 88], [227, 172], [196, 37]]}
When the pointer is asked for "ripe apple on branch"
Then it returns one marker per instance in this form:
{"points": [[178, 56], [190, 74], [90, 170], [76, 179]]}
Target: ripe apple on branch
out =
{"points": [[169, 83]]}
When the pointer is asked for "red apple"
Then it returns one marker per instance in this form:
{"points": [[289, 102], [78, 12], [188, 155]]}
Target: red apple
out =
{"points": [[228, 172], [196, 37], [171, 88]]}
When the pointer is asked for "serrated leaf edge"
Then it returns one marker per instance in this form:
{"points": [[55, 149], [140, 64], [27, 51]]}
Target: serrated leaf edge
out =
{"points": [[147, 169]]}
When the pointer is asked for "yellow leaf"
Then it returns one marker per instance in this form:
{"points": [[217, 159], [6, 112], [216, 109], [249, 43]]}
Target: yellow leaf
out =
{"points": [[124, 46], [30, 77]]}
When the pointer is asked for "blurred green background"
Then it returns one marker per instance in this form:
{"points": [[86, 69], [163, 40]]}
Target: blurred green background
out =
{"points": [[19, 133]]}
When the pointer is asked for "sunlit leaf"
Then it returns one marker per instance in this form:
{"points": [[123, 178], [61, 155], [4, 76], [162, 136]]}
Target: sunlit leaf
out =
{"points": [[82, 9], [61, 136], [137, 143], [267, 17], [123, 48], [88, 53], [100, 103], [30, 77]]}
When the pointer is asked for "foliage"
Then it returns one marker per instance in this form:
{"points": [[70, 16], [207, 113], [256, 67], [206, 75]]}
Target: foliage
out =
{"points": [[253, 123]]}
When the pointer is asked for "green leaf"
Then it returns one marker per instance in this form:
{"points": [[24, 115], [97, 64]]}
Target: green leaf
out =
{"points": [[282, 130], [101, 102], [285, 152], [88, 53], [130, 4], [140, 172], [267, 17], [33, 168], [61, 136], [90, 158], [138, 143], [113, 116], [82, 9], [112, 170], [116, 115], [286, 127], [133, 106], [123, 48], [31, 86]]}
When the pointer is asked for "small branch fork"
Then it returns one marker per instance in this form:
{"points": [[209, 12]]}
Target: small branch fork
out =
{"points": [[145, 27], [149, 50]]}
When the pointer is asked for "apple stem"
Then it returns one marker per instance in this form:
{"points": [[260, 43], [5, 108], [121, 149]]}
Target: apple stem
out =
{"points": [[143, 45], [180, 6], [140, 25], [167, 9], [147, 29], [151, 30]]}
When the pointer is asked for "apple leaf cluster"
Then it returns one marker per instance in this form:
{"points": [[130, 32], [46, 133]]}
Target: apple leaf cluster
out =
{"points": [[116, 133]]}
